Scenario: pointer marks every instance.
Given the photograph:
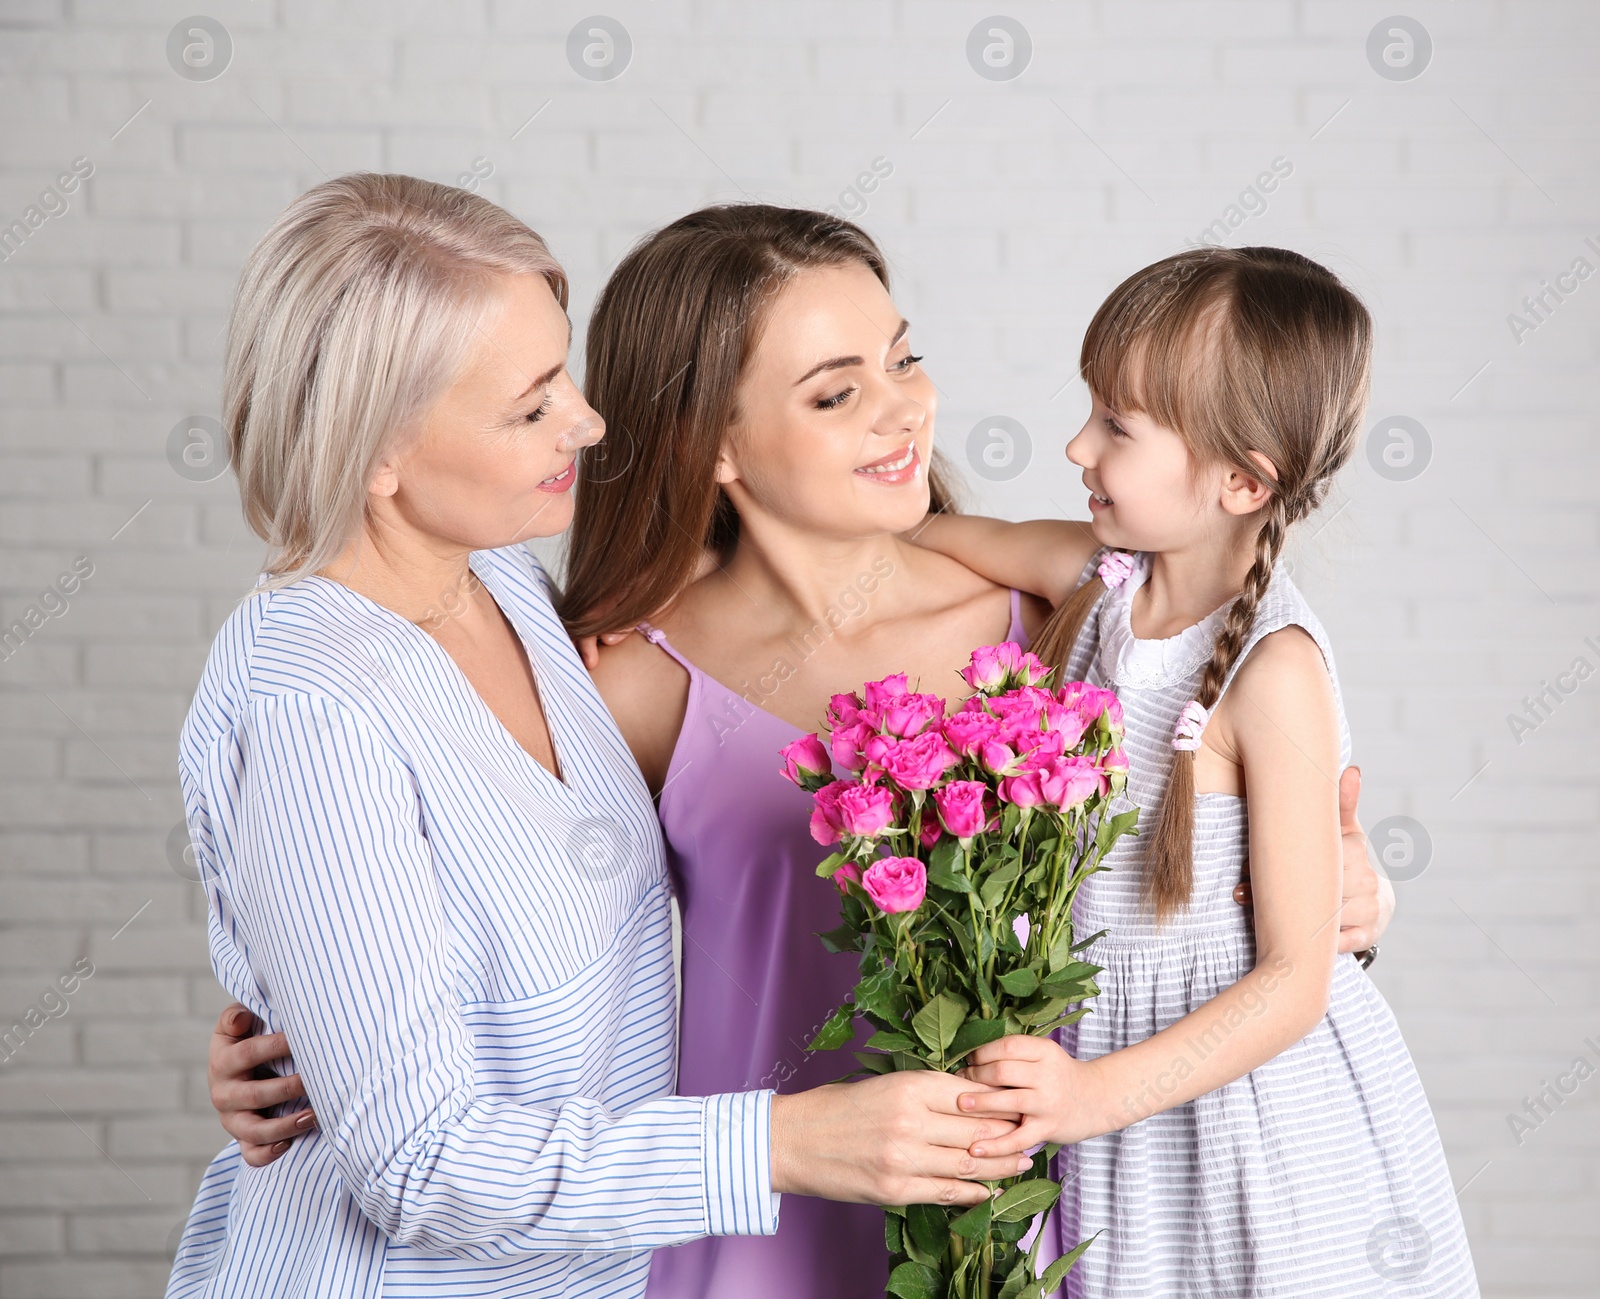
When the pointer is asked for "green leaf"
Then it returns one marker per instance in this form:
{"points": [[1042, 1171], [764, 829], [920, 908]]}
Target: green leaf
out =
{"points": [[831, 863], [1043, 1012], [937, 1022], [1044, 1027], [944, 877], [1015, 1281], [1026, 1199], [839, 1029], [916, 1281], [843, 939], [994, 887], [1010, 1232], [929, 1229], [1071, 990], [986, 996], [884, 1040], [1020, 983], [875, 1063], [1060, 954], [973, 1034], [1094, 937], [878, 993], [1071, 979], [891, 1231], [945, 855], [1056, 1273], [974, 1223]]}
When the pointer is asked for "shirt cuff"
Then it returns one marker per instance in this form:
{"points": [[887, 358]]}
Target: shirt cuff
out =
{"points": [[740, 1200]]}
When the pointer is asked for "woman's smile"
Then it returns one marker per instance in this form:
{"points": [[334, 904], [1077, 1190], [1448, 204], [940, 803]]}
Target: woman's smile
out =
{"points": [[558, 483], [897, 467]]}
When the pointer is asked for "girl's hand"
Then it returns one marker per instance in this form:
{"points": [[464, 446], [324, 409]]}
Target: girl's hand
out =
{"points": [[238, 1093], [1056, 1095]]}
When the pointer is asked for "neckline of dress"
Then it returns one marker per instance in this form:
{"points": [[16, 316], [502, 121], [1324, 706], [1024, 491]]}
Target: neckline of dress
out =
{"points": [[1140, 662], [700, 680]]}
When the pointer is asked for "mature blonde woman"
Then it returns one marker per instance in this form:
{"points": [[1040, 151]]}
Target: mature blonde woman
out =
{"points": [[396, 772]]}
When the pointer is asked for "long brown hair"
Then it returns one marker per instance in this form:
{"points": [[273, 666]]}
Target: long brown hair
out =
{"points": [[667, 344], [1238, 350]]}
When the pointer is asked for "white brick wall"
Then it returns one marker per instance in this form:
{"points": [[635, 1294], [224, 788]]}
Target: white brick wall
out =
{"points": [[1451, 596]]}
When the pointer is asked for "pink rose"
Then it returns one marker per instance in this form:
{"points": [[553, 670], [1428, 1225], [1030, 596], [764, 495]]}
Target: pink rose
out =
{"points": [[1025, 790], [1066, 720], [847, 743], [910, 714], [865, 809], [991, 665], [1067, 782], [848, 872], [1021, 708], [1040, 749], [878, 693], [1115, 765], [966, 732], [805, 759], [896, 883], [1093, 702], [998, 757], [997, 667], [826, 824], [963, 807], [843, 710], [877, 748], [929, 834], [1031, 670], [920, 762]]}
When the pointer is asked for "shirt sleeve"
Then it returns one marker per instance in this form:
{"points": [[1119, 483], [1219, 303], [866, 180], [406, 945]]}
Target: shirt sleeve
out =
{"points": [[332, 884]]}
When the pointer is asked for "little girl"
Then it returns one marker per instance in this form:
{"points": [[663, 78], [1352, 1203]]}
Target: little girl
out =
{"points": [[1246, 1118]]}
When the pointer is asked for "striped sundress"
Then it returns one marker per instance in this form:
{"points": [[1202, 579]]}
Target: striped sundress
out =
{"points": [[1319, 1173]]}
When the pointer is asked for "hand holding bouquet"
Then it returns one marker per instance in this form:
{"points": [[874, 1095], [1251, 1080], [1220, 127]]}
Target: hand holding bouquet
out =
{"points": [[962, 841]]}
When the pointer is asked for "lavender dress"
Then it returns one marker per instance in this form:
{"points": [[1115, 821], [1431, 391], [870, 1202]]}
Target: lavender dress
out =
{"points": [[757, 983]]}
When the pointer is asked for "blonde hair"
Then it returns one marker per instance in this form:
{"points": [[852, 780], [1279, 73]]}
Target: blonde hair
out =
{"points": [[353, 314], [1238, 350]]}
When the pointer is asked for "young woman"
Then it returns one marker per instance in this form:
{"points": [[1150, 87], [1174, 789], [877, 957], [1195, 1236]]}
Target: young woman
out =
{"points": [[764, 403]]}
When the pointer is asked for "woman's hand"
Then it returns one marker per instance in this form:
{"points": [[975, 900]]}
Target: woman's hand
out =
{"points": [[1056, 1095], [1368, 897], [589, 646], [238, 1092], [895, 1139]]}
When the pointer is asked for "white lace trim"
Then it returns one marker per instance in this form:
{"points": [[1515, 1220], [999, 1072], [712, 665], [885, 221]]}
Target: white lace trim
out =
{"points": [[1126, 661]]}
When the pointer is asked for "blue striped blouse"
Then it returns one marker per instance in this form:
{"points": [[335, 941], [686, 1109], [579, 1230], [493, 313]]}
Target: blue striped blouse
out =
{"points": [[471, 958]]}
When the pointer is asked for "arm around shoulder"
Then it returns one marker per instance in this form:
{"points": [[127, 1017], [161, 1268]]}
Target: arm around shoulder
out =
{"points": [[1043, 556]]}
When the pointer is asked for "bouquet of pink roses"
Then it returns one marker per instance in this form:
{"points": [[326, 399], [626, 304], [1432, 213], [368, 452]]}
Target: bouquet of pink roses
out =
{"points": [[962, 841]]}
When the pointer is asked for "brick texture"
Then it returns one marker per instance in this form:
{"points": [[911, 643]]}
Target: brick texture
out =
{"points": [[1009, 208]]}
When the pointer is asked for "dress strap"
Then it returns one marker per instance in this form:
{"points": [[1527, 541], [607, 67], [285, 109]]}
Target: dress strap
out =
{"points": [[658, 637]]}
